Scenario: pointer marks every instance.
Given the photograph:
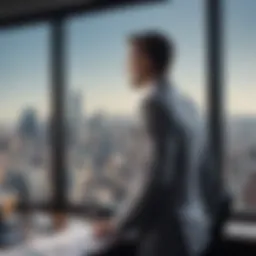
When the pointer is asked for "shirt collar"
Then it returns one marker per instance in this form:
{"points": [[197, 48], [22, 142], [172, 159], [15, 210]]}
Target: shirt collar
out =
{"points": [[152, 86], [148, 89]]}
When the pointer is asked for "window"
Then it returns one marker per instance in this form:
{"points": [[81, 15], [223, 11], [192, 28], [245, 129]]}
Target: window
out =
{"points": [[240, 103], [102, 146], [101, 105], [25, 111]]}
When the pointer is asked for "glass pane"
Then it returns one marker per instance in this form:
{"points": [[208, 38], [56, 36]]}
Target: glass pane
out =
{"points": [[240, 102], [101, 105], [24, 113]]}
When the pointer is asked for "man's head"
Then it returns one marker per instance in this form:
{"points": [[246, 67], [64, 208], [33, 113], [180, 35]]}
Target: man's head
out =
{"points": [[151, 55]]}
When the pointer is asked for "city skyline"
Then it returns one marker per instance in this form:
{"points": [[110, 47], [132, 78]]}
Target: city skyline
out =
{"points": [[24, 63]]}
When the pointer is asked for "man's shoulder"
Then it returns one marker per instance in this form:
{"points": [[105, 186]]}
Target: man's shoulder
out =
{"points": [[156, 99], [152, 105], [157, 115]]}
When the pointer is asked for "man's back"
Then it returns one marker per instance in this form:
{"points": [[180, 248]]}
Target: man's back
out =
{"points": [[171, 211], [185, 225]]}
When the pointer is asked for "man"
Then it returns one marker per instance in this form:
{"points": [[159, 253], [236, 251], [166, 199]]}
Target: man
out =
{"points": [[173, 214]]}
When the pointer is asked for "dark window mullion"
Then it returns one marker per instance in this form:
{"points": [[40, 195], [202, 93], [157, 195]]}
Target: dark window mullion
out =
{"points": [[58, 98], [214, 26]]}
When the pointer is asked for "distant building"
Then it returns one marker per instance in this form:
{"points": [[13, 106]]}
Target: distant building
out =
{"points": [[28, 125], [16, 181], [74, 116], [97, 122], [241, 160]]}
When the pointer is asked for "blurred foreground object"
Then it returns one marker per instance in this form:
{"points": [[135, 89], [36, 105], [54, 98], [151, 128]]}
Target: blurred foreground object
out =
{"points": [[76, 240], [8, 203], [60, 221], [103, 229], [10, 230]]}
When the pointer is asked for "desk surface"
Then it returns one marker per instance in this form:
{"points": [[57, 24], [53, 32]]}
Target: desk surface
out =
{"points": [[75, 240]]}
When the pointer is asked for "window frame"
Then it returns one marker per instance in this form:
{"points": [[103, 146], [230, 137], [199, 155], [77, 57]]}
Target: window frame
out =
{"points": [[214, 81]]}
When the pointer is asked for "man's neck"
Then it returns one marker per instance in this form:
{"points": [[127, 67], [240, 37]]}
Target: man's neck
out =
{"points": [[147, 88], [153, 82]]}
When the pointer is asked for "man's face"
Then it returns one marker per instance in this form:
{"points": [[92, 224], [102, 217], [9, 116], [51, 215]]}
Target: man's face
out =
{"points": [[138, 66]]}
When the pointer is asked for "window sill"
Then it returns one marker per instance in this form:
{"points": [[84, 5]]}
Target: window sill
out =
{"points": [[240, 231]]}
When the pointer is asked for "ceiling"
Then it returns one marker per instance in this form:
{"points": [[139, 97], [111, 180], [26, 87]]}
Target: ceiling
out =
{"points": [[12, 11]]}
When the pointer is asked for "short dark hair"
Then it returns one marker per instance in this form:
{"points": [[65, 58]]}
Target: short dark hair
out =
{"points": [[157, 47]]}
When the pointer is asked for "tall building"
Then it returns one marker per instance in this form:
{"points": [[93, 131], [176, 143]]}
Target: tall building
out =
{"points": [[74, 115], [28, 125]]}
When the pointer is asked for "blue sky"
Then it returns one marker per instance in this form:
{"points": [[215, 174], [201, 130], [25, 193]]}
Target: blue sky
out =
{"points": [[96, 57]]}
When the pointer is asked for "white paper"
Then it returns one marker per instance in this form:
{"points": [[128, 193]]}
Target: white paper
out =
{"points": [[75, 240]]}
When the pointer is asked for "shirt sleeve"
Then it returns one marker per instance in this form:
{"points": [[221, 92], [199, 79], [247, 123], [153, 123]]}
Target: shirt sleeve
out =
{"points": [[145, 212]]}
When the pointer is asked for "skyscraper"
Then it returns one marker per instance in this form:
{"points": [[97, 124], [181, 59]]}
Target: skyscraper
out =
{"points": [[74, 115], [28, 125]]}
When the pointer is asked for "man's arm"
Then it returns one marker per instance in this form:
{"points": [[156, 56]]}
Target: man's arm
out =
{"points": [[144, 213]]}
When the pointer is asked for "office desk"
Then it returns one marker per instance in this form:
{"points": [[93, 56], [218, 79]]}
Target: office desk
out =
{"points": [[76, 240]]}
